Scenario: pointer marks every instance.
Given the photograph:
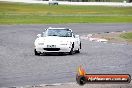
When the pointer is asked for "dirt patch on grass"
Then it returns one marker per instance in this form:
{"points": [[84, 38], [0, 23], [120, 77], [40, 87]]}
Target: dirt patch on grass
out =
{"points": [[113, 37]]}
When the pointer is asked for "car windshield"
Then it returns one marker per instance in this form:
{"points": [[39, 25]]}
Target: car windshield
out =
{"points": [[59, 32]]}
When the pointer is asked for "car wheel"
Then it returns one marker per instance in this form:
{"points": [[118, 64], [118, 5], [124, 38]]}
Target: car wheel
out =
{"points": [[80, 46], [36, 53], [78, 51], [71, 52]]}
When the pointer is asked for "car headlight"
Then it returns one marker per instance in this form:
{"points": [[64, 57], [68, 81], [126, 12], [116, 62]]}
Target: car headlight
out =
{"points": [[40, 43]]}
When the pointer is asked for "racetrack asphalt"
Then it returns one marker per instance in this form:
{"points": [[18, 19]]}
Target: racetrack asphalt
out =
{"points": [[19, 66]]}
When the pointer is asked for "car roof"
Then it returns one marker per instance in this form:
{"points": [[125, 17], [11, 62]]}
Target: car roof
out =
{"points": [[58, 28]]}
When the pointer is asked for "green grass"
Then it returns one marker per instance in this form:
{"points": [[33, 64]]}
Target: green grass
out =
{"points": [[127, 36], [18, 13]]}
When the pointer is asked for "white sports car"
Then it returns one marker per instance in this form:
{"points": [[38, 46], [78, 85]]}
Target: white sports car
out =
{"points": [[59, 40]]}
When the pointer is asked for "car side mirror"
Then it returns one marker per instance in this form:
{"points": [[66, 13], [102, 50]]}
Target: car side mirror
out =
{"points": [[76, 36], [38, 35]]}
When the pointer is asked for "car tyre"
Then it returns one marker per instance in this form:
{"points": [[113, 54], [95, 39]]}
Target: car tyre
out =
{"points": [[80, 45], [78, 51], [36, 53], [71, 52]]}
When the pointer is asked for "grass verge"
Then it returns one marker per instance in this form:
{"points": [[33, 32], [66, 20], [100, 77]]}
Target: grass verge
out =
{"points": [[116, 37], [127, 36], [19, 13]]}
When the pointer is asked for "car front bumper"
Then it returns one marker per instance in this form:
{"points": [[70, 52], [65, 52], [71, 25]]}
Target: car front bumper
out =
{"points": [[58, 48]]}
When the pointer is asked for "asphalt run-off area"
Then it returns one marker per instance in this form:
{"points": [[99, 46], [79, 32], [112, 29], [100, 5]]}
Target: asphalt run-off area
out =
{"points": [[19, 66]]}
